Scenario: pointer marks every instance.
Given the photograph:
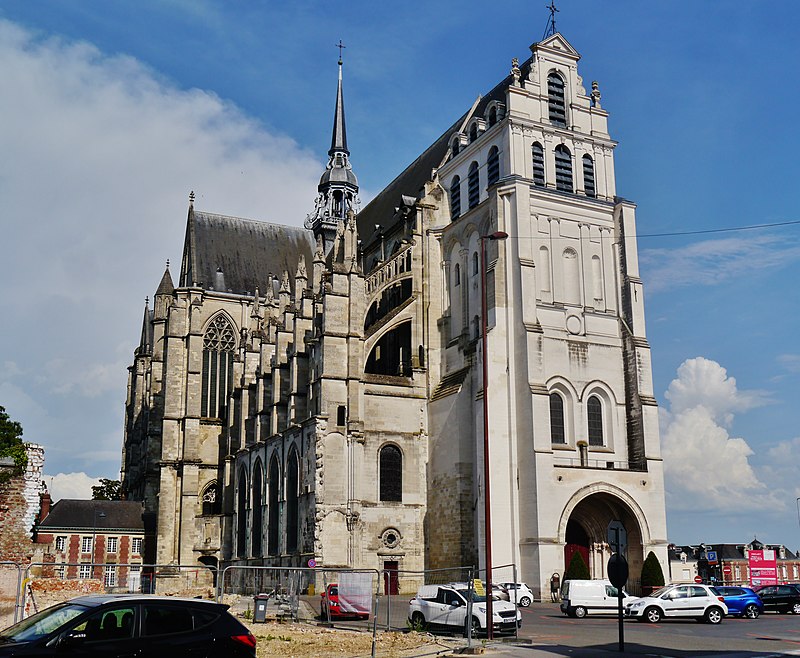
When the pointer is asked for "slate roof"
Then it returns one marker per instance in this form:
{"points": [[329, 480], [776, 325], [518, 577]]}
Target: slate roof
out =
{"points": [[725, 551], [246, 251], [69, 514]]}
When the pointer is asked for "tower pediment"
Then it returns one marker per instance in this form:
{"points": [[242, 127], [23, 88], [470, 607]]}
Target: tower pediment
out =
{"points": [[556, 45]]}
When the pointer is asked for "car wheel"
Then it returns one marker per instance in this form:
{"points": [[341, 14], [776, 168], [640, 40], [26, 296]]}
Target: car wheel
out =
{"points": [[579, 611], [525, 601], [796, 608], [476, 627], [653, 615], [714, 615], [418, 621], [751, 611]]}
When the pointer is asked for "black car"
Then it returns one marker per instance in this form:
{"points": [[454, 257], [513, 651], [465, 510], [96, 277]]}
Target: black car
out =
{"points": [[143, 626], [780, 598]]}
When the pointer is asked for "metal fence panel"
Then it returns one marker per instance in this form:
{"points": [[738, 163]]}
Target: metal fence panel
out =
{"points": [[10, 593]]}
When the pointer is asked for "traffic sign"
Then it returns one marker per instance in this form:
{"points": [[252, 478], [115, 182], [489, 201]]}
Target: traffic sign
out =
{"points": [[698, 579], [312, 563], [617, 570], [727, 570], [711, 556]]}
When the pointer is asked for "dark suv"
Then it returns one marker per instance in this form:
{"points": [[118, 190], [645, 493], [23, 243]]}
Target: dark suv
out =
{"points": [[115, 626], [780, 598]]}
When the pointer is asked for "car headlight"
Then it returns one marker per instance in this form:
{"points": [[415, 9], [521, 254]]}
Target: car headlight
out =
{"points": [[637, 604]]}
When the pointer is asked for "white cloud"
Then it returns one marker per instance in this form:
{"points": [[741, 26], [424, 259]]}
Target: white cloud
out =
{"points": [[70, 485], [99, 157], [705, 467]]}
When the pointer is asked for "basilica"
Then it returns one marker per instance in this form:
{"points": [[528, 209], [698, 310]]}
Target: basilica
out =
{"points": [[368, 387]]}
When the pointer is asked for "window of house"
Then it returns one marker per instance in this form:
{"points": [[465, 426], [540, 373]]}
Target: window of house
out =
{"points": [[537, 155], [85, 571], [556, 99], [594, 412], [493, 166], [219, 343], [473, 186], [563, 168], [557, 433], [61, 543], [391, 473], [588, 175], [86, 544], [110, 576], [455, 198], [111, 545], [136, 545]]}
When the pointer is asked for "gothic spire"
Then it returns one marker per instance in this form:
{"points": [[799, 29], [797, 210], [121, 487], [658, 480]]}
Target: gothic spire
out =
{"points": [[339, 137]]}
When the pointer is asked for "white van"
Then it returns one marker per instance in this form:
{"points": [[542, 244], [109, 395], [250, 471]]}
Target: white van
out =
{"points": [[591, 597]]}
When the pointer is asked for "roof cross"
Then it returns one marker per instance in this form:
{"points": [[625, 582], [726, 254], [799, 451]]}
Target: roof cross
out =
{"points": [[340, 45], [550, 30]]}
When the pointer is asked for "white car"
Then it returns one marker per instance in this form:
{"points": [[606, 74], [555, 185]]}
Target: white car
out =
{"points": [[445, 607], [518, 593], [699, 602]]}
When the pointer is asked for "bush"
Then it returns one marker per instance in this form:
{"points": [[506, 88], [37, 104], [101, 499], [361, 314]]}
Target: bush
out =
{"points": [[652, 575], [577, 569]]}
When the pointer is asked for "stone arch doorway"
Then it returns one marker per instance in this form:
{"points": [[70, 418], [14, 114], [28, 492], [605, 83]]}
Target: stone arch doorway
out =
{"points": [[596, 525]]}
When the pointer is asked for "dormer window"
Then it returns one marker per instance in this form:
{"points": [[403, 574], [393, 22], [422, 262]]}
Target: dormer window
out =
{"points": [[456, 145], [473, 132], [556, 99], [493, 115]]}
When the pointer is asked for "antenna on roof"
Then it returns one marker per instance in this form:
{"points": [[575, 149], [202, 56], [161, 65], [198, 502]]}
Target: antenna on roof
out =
{"points": [[550, 29]]}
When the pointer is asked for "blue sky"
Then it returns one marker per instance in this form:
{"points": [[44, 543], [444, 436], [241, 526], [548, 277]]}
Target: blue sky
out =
{"points": [[112, 112]]}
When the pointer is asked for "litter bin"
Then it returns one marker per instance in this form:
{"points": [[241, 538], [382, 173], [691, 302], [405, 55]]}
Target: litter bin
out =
{"points": [[260, 607]]}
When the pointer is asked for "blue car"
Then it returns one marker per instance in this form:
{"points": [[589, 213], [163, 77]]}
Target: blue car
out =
{"points": [[741, 601]]}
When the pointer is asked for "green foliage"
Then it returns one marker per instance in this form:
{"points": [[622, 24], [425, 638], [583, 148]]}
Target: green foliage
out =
{"points": [[652, 575], [577, 569], [11, 445], [107, 490]]}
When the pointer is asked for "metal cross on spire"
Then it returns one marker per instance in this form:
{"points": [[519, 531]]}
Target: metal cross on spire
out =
{"points": [[340, 45], [550, 29]]}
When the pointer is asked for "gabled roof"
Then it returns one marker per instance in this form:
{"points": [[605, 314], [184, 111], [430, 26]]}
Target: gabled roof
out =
{"points": [[244, 252], [557, 44], [70, 514]]}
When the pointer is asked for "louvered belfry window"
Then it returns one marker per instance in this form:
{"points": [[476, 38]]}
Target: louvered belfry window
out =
{"points": [[537, 155], [493, 166], [473, 186], [391, 473], [455, 198], [219, 344], [588, 176], [563, 169], [556, 100]]}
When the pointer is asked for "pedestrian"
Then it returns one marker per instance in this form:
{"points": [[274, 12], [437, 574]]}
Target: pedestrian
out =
{"points": [[555, 588]]}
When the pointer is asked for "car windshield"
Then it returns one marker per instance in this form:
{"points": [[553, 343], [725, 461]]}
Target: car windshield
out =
{"points": [[661, 591], [43, 623], [476, 598]]}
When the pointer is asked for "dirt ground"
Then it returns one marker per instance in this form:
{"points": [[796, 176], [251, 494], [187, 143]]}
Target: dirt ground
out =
{"points": [[299, 640]]}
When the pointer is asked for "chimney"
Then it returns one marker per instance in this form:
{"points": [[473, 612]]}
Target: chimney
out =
{"points": [[44, 505]]}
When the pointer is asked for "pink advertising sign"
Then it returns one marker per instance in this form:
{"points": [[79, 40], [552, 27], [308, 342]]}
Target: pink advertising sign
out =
{"points": [[763, 568]]}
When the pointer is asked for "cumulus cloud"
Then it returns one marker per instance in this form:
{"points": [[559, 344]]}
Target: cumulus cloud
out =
{"points": [[704, 465], [70, 485], [99, 156]]}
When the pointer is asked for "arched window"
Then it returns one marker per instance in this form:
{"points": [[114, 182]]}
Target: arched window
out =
{"points": [[556, 102], [493, 116], [572, 280], [493, 166], [273, 524], [391, 355], [537, 154], [219, 344], [455, 198], [588, 175], [473, 132], [241, 515], [557, 433], [473, 186], [544, 269], [257, 531], [475, 266], [209, 499], [457, 275], [456, 145], [391, 473], [292, 493], [594, 417], [563, 169]]}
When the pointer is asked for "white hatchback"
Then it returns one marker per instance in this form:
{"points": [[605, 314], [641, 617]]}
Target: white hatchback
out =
{"points": [[518, 593], [699, 602]]}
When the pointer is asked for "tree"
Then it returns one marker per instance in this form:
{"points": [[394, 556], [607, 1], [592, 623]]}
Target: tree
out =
{"points": [[652, 575], [577, 569], [107, 490], [12, 445]]}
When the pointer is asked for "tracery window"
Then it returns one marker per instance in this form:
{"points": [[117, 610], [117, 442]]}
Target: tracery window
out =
{"points": [[493, 166], [273, 528], [594, 414], [473, 186], [588, 175], [391, 473], [557, 433], [556, 101], [455, 198], [257, 531], [209, 499], [563, 168], [219, 344], [292, 516], [537, 155]]}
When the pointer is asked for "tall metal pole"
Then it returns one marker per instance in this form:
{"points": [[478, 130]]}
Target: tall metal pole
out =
{"points": [[487, 509]]}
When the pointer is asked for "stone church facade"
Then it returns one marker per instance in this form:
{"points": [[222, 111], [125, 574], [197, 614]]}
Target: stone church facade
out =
{"points": [[318, 391]]}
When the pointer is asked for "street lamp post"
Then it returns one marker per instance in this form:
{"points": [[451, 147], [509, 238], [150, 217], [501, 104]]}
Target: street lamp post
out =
{"points": [[487, 510]]}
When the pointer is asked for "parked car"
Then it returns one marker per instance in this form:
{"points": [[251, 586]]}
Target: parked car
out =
{"points": [[519, 593], [741, 601], [445, 607], [499, 592], [780, 598], [332, 608], [596, 597], [700, 602], [130, 625]]}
